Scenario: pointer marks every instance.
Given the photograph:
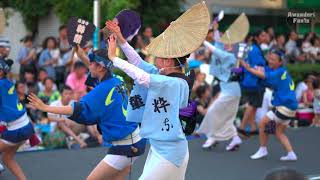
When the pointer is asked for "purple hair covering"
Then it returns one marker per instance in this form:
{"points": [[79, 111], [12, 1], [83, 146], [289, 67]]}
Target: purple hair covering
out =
{"points": [[129, 23]]}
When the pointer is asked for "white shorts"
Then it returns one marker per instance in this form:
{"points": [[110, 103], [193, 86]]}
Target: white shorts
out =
{"points": [[8, 142], [273, 117], [119, 162], [158, 168]]}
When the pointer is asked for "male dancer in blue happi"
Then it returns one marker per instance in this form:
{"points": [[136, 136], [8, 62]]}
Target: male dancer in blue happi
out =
{"points": [[284, 103], [105, 106]]}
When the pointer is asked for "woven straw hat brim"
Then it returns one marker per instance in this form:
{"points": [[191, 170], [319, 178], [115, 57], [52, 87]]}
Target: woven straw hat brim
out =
{"points": [[237, 31], [184, 35], [2, 21]]}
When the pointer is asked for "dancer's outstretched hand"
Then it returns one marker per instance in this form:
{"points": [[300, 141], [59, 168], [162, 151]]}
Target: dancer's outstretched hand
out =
{"points": [[36, 102], [112, 45]]}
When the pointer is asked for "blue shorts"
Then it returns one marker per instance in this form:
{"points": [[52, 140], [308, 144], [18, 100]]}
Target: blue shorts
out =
{"points": [[19, 135], [126, 150]]}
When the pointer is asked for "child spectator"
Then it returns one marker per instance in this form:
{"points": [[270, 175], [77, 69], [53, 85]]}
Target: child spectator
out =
{"points": [[49, 95], [43, 74]]}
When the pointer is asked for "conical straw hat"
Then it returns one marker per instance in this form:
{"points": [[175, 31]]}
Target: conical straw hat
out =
{"points": [[237, 31], [184, 35], [2, 21]]}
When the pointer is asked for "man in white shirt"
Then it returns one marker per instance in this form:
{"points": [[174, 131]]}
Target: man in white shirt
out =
{"points": [[63, 123]]}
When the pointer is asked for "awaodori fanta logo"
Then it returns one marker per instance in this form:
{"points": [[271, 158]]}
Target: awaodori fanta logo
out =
{"points": [[298, 16]]}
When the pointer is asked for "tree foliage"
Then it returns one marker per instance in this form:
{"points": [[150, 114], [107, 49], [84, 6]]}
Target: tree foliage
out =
{"points": [[154, 13], [31, 10], [159, 13], [84, 8]]}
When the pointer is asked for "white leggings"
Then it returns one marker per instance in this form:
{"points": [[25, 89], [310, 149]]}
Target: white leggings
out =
{"points": [[158, 168], [118, 162]]}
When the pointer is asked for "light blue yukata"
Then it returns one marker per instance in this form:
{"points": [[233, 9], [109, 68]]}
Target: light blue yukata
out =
{"points": [[218, 122], [162, 97]]}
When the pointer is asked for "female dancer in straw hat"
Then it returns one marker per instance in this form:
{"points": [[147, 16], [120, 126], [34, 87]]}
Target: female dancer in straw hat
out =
{"points": [[166, 94], [159, 92]]}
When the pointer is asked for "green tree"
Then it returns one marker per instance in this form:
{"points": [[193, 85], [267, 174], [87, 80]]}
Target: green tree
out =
{"points": [[159, 13], [31, 10], [154, 13], [84, 8]]}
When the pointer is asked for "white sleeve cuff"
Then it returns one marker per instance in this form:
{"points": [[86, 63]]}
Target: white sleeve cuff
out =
{"points": [[209, 45]]}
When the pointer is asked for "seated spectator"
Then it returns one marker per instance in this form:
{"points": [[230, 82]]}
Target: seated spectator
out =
{"points": [[306, 44], [49, 56], [302, 86], [315, 50], [292, 50], [146, 37], [270, 31], [21, 92], [76, 80], [67, 126], [308, 95], [63, 42], [22, 95], [69, 62], [27, 56], [316, 103], [280, 43], [30, 79], [49, 95], [43, 74], [143, 40], [203, 99]]}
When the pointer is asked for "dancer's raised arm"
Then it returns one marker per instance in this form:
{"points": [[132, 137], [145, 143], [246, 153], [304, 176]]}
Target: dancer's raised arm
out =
{"points": [[38, 104], [134, 72], [133, 57]]}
